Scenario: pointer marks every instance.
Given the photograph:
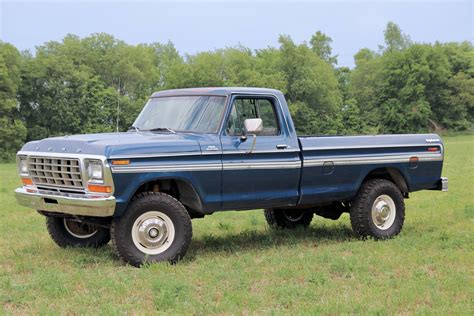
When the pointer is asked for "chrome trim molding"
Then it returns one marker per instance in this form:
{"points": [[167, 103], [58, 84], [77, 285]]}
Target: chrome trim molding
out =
{"points": [[262, 165], [169, 168], [74, 204], [270, 151], [371, 159], [198, 153], [275, 164], [371, 146], [157, 155], [60, 155], [238, 165]]}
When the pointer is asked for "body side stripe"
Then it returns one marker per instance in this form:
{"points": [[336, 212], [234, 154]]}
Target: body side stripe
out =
{"points": [[371, 160], [371, 146], [289, 150], [272, 164]]}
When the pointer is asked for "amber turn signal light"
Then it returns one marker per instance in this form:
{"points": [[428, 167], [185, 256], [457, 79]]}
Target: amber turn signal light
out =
{"points": [[27, 181], [99, 188], [121, 162]]}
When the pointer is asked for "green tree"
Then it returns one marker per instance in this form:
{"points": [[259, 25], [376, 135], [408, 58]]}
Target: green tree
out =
{"points": [[269, 71], [343, 75], [453, 107], [366, 82], [395, 40], [58, 98], [309, 122], [166, 58], [309, 79], [321, 46], [12, 129], [353, 120], [414, 87]]}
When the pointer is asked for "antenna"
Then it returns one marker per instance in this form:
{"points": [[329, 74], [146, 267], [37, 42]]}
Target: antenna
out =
{"points": [[118, 105]]}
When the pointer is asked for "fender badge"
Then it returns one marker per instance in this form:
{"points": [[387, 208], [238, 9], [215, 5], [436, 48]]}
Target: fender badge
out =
{"points": [[432, 140], [212, 148]]}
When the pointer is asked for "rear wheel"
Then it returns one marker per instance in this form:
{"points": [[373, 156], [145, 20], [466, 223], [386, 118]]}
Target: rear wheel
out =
{"points": [[379, 210], [156, 227], [68, 232], [288, 218]]}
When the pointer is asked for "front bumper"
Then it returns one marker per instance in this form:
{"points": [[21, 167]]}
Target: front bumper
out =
{"points": [[73, 204]]}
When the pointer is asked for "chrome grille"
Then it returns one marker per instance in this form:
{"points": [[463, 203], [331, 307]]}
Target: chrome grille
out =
{"points": [[55, 172]]}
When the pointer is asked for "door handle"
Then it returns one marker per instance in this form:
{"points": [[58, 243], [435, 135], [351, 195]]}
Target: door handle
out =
{"points": [[282, 146]]}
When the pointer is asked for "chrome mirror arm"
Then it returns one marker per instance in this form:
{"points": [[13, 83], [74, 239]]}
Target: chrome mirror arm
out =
{"points": [[254, 141]]}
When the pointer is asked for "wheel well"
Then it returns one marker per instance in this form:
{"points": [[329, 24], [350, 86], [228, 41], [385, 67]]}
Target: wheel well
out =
{"points": [[391, 174], [179, 189]]}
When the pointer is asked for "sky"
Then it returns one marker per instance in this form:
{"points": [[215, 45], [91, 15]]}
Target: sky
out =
{"points": [[195, 26]]}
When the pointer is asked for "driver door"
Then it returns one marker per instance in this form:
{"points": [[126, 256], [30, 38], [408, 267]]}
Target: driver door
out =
{"points": [[268, 175]]}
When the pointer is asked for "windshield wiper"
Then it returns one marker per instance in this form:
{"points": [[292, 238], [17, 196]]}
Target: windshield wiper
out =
{"points": [[161, 129], [136, 129]]}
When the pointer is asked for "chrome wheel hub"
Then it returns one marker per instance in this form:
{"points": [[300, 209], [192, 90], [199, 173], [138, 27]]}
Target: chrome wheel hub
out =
{"points": [[383, 212], [153, 232]]}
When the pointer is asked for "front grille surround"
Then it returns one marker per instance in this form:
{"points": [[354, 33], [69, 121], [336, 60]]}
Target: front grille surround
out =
{"points": [[56, 172]]}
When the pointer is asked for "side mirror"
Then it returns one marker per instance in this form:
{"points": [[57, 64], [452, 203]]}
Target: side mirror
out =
{"points": [[253, 126]]}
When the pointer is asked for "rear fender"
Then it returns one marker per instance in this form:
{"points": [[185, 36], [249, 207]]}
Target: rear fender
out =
{"points": [[393, 174]]}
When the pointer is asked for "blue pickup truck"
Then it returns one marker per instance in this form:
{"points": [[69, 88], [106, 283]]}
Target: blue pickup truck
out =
{"points": [[192, 152]]}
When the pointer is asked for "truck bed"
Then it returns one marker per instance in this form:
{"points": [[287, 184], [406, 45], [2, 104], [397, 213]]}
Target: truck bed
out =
{"points": [[335, 166]]}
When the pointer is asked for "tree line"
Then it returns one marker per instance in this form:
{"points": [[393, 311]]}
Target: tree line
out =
{"points": [[74, 86]]}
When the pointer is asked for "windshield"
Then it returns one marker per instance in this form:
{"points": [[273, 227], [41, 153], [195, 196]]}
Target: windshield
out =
{"points": [[200, 114]]}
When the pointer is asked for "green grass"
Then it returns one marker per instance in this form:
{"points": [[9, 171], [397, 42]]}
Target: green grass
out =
{"points": [[236, 265]]}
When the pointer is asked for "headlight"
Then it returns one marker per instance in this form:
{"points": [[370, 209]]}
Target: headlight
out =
{"points": [[94, 170], [22, 165]]}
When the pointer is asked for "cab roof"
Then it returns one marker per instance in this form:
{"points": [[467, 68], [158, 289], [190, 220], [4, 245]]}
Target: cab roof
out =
{"points": [[224, 91]]}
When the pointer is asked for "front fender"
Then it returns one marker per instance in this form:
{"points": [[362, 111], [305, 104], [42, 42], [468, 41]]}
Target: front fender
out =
{"points": [[127, 184]]}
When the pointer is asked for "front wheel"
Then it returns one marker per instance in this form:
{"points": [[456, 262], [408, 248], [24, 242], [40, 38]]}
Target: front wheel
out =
{"points": [[378, 210], [67, 232], [288, 218], [156, 227]]}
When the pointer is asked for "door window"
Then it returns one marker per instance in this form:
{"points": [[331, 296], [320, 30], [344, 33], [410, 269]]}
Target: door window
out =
{"points": [[247, 108]]}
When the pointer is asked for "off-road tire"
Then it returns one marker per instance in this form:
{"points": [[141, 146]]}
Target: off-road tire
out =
{"points": [[277, 218], [63, 238], [121, 229], [361, 211]]}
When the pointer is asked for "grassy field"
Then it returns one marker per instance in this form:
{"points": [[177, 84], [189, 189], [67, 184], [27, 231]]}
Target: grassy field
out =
{"points": [[236, 265]]}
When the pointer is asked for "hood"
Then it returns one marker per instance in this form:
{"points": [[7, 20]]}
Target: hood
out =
{"points": [[117, 144]]}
